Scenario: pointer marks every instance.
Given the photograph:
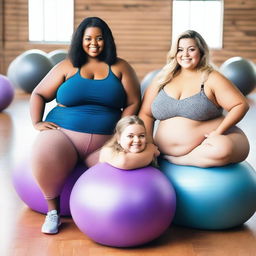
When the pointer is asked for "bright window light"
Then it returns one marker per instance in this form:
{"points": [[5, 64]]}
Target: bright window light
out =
{"points": [[51, 20], [203, 16]]}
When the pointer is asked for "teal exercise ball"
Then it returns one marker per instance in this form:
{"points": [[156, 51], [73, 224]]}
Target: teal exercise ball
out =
{"points": [[213, 198]]}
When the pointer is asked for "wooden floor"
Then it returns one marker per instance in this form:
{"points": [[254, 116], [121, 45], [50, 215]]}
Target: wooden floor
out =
{"points": [[20, 227]]}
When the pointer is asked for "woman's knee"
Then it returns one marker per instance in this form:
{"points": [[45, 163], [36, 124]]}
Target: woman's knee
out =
{"points": [[222, 148], [241, 148]]}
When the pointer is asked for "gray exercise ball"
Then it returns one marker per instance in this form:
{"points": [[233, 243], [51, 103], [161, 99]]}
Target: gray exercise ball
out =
{"points": [[28, 69], [147, 80], [57, 56], [241, 72]]}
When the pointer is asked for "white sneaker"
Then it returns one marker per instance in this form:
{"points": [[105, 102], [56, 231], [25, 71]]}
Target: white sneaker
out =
{"points": [[51, 223]]}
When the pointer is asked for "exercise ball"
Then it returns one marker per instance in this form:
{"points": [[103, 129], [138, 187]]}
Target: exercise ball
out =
{"points": [[28, 69], [57, 55], [122, 208], [30, 193], [241, 72], [212, 198], [147, 80], [6, 92]]}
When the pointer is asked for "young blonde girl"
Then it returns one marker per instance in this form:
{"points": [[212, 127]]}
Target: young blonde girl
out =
{"points": [[128, 148]]}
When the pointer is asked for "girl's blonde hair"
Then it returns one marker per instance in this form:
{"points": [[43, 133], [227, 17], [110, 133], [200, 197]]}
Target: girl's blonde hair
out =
{"points": [[120, 127], [172, 68]]}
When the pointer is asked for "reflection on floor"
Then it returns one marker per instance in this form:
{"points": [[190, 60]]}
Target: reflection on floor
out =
{"points": [[20, 227]]}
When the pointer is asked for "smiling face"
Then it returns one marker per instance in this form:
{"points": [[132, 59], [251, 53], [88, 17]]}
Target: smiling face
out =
{"points": [[93, 41], [133, 138], [188, 53]]}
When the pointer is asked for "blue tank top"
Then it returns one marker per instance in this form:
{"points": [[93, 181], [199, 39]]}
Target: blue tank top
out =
{"points": [[197, 107], [91, 106]]}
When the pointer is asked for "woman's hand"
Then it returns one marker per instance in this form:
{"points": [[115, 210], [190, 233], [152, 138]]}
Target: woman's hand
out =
{"points": [[154, 149], [40, 126], [157, 152], [212, 134]]}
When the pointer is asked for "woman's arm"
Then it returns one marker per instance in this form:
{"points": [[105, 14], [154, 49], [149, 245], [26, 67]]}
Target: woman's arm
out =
{"points": [[127, 160], [229, 98], [45, 92], [131, 86], [145, 112]]}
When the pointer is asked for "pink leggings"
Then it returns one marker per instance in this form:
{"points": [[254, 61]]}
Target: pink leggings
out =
{"points": [[55, 154]]}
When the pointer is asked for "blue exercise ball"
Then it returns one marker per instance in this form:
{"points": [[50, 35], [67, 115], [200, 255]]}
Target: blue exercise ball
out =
{"points": [[57, 56], [28, 69], [122, 208], [147, 80], [212, 198], [6, 92], [241, 72]]}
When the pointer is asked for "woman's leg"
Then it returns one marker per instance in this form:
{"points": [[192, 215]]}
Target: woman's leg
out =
{"points": [[93, 148], [53, 158], [87, 145], [216, 151]]}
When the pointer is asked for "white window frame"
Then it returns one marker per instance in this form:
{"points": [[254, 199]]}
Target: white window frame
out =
{"points": [[51, 21], [203, 16]]}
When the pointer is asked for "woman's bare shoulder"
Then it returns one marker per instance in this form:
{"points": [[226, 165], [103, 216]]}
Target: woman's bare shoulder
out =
{"points": [[218, 81], [122, 64], [216, 77], [122, 68], [66, 67]]}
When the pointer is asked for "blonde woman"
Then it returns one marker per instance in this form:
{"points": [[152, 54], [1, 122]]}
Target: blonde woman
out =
{"points": [[188, 98], [128, 148]]}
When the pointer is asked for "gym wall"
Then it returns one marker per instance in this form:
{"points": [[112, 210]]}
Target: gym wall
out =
{"points": [[142, 30]]}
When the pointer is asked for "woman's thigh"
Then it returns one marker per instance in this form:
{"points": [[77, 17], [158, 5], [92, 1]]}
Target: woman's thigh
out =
{"points": [[241, 146], [54, 145], [233, 146], [87, 144], [53, 158], [97, 141]]}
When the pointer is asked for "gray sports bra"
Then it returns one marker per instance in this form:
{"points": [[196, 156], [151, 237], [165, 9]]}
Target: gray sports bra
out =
{"points": [[197, 107]]}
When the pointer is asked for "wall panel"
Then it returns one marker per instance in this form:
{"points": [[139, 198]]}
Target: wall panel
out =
{"points": [[239, 32], [142, 30]]}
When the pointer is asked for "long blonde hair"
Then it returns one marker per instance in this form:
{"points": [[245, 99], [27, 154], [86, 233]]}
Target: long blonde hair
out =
{"points": [[172, 68], [120, 127]]}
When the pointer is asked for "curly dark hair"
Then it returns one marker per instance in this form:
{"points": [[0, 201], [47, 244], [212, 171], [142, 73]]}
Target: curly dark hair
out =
{"points": [[77, 54]]}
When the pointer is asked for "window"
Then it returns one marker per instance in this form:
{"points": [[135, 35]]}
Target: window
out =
{"points": [[51, 20], [203, 16]]}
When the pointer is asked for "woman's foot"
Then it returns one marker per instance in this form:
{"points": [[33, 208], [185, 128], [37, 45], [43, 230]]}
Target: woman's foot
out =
{"points": [[51, 223]]}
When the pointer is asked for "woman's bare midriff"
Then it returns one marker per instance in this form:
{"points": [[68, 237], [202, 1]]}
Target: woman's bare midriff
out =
{"points": [[178, 136]]}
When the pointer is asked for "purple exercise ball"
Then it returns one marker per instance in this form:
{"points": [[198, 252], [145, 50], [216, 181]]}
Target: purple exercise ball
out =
{"points": [[6, 92], [30, 193], [122, 208]]}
